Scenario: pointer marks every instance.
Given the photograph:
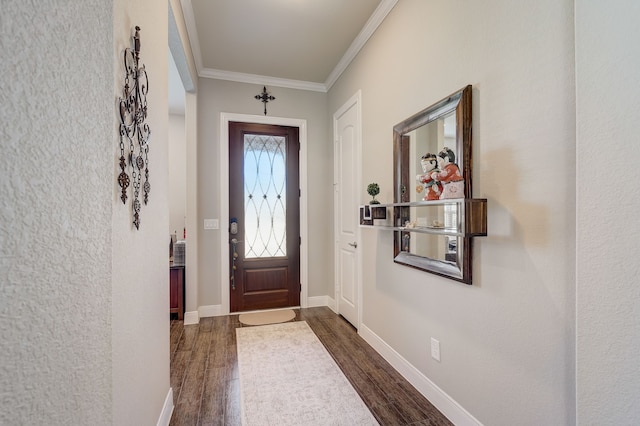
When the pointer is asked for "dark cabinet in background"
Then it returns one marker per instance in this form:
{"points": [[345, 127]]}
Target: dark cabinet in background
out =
{"points": [[176, 290]]}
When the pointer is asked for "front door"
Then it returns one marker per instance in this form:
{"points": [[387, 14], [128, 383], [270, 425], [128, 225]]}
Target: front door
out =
{"points": [[264, 211]]}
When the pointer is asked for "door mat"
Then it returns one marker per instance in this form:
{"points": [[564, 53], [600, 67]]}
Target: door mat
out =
{"points": [[267, 317]]}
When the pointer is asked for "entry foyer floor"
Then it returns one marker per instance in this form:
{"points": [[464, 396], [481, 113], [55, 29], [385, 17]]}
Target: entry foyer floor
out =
{"points": [[204, 372]]}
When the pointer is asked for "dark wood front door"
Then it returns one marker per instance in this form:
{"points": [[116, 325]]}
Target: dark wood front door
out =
{"points": [[264, 211]]}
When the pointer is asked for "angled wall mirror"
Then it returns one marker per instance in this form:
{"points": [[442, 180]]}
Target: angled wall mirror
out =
{"points": [[435, 220]]}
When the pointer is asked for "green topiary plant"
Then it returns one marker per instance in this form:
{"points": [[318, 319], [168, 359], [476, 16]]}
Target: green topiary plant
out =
{"points": [[373, 189]]}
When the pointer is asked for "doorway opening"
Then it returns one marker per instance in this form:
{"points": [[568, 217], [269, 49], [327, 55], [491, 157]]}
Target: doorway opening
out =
{"points": [[225, 237], [264, 212]]}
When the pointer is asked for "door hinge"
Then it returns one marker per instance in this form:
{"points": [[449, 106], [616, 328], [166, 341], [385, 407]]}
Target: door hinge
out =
{"points": [[300, 287], [300, 241]]}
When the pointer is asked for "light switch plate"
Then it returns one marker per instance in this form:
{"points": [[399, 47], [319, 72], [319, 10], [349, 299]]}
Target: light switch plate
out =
{"points": [[211, 224]]}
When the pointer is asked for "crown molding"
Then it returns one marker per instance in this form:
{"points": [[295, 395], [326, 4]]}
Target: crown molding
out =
{"points": [[190, 23], [262, 80], [367, 31]]}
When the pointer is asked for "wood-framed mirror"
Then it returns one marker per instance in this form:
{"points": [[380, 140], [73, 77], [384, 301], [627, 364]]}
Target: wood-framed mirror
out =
{"points": [[433, 219]]}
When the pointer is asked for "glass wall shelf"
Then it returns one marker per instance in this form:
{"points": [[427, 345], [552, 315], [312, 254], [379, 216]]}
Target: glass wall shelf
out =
{"points": [[456, 217]]}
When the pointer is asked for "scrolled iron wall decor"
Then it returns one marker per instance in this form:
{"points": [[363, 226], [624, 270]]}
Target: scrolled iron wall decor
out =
{"points": [[134, 132], [264, 97]]}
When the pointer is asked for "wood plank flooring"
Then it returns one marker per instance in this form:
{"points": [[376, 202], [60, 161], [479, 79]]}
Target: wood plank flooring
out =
{"points": [[204, 372]]}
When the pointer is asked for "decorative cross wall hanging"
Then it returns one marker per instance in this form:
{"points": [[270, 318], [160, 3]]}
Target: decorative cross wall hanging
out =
{"points": [[264, 97], [134, 132]]}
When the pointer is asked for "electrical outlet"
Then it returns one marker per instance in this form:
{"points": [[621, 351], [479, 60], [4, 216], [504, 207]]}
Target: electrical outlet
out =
{"points": [[435, 349]]}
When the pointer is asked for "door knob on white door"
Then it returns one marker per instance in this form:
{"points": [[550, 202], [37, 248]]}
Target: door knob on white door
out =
{"points": [[354, 244]]}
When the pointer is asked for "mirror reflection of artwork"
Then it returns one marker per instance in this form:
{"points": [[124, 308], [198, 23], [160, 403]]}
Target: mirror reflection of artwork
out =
{"points": [[426, 145], [449, 175], [431, 187]]}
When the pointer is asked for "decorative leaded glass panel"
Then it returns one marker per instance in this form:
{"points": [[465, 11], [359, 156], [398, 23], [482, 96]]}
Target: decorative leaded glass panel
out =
{"points": [[265, 205]]}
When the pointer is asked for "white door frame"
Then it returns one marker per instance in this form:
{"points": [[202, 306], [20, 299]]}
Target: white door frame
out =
{"points": [[354, 101], [225, 118]]}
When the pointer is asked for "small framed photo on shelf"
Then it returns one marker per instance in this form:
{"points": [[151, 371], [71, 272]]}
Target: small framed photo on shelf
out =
{"points": [[366, 209]]}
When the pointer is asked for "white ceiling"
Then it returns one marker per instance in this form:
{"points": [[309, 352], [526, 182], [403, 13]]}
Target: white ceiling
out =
{"points": [[302, 44]]}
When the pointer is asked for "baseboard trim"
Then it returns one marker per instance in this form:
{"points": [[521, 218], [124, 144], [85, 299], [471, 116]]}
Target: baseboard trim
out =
{"points": [[191, 317], [440, 399], [216, 310], [210, 311], [167, 409], [264, 310], [331, 304], [316, 301]]}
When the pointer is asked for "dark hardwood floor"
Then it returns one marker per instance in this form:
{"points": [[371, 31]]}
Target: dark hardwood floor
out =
{"points": [[204, 372]]}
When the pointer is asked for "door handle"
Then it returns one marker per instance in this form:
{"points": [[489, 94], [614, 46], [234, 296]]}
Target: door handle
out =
{"points": [[234, 256], [354, 244]]}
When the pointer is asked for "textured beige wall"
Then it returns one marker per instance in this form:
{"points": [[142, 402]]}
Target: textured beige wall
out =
{"points": [[85, 327], [214, 97], [56, 201], [507, 342], [608, 233]]}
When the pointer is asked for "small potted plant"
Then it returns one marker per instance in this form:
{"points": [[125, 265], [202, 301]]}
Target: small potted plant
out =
{"points": [[373, 189], [376, 212]]}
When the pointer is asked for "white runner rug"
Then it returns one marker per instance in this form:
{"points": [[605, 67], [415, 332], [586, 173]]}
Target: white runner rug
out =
{"points": [[287, 377]]}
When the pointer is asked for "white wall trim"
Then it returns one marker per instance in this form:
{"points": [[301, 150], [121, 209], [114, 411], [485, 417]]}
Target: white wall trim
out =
{"points": [[331, 303], [301, 124], [263, 80], [316, 301], [288, 308], [216, 310], [167, 410], [210, 311], [191, 317], [439, 398]]}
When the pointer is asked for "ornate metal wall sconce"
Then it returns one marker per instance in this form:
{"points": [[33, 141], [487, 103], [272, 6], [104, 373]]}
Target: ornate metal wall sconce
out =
{"points": [[264, 97], [134, 132]]}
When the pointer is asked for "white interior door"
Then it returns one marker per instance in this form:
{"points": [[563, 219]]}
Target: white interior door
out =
{"points": [[346, 125]]}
